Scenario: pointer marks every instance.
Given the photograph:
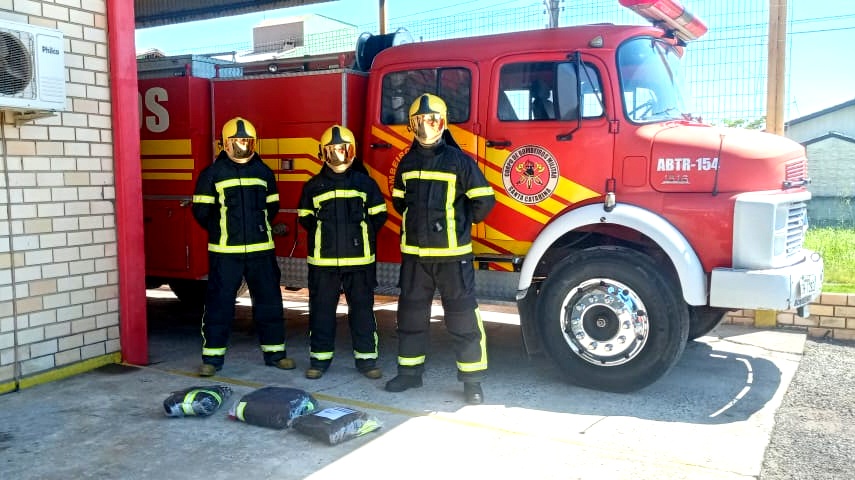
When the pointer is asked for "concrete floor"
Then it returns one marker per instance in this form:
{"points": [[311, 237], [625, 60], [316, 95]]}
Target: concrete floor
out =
{"points": [[709, 418]]}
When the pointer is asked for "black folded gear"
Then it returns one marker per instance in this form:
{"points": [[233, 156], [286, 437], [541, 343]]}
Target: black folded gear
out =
{"points": [[336, 424], [273, 407]]}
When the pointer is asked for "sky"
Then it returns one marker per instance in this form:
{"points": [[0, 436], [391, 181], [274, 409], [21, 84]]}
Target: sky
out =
{"points": [[820, 58], [362, 13], [820, 61]]}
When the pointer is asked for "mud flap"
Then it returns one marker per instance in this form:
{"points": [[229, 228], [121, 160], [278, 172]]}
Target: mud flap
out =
{"points": [[527, 307]]}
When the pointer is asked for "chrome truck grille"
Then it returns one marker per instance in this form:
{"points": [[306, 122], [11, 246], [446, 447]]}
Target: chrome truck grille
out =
{"points": [[769, 229], [797, 223]]}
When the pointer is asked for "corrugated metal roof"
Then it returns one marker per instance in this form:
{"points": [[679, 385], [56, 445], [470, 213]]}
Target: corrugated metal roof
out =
{"points": [[153, 13], [820, 113]]}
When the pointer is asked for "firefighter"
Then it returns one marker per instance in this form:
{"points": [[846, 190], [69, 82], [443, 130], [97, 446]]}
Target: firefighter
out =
{"points": [[342, 210], [235, 200], [440, 192]]}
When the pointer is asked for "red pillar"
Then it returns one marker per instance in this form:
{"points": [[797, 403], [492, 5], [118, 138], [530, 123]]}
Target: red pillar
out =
{"points": [[128, 180]]}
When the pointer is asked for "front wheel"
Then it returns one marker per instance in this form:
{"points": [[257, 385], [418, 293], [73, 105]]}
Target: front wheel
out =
{"points": [[612, 320]]}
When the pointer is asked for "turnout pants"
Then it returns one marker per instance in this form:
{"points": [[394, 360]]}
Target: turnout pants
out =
{"points": [[456, 283], [325, 286], [224, 278]]}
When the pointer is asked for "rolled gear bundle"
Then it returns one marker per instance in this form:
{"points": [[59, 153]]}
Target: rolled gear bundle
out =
{"points": [[273, 407], [196, 401], [336, 424]]}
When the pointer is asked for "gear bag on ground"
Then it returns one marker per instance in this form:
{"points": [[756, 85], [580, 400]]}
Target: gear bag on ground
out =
{"points": [[336, 424], [273, 407], [196, 401]]}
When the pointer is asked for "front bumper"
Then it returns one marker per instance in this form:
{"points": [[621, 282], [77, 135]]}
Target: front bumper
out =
{"points": [[782, 288]]}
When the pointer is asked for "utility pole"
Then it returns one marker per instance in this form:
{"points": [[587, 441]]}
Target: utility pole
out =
{"points": [[775, 102], [382, 20], [775, 88], [552, 10]]}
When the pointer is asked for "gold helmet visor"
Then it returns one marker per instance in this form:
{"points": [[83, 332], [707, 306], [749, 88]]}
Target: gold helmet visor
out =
{"points": [[428, 119], [338, 148], [239, 138]]}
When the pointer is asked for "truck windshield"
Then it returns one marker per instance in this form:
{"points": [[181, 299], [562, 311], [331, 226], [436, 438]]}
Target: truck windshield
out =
{"points": [[650, 81]]}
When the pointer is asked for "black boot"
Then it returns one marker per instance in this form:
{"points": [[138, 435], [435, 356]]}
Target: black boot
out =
{"points": [[403, 382], [473, 393], [369, 369], [209, 370]]}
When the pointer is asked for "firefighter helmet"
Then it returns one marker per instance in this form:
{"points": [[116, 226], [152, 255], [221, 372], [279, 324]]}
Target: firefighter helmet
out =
{"points": [[239, 139], [337, 148], [428, 115]]}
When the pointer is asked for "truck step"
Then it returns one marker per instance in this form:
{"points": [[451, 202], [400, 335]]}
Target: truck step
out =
{"points": [[484, 259]]}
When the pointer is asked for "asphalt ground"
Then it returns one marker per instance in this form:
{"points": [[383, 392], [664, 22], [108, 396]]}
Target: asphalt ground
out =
{"points": [[814, 435], [741, 403]]}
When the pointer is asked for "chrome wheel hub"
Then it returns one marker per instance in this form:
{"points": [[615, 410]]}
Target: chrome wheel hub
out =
{"points": [[604, 322]]}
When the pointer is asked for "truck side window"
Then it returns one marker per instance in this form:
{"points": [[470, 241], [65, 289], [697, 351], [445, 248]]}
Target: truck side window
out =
{"points": [[546, 91], [649, 76], [527, 91], [592, 92], [400, 89]]}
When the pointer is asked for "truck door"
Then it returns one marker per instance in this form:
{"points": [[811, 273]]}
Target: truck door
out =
{"points": [[545, 150], [387, 128]]}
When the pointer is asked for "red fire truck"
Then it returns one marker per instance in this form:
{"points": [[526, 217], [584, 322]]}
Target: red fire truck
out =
{"points": [[623, 228]]}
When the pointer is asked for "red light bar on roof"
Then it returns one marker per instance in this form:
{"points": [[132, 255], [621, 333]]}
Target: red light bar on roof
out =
{"points": [[669, 15]]}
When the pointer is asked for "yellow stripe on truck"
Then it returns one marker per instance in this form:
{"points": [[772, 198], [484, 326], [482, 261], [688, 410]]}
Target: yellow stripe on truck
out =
{"points": [[166, 176], [167, 164], [166, 147], [297, 146], [396, 142]]}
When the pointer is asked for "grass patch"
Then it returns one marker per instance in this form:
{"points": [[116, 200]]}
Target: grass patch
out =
{"points": [[837, 247], [838, 288]]}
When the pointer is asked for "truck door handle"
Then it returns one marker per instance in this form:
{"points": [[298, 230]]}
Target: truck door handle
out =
{"points": [[380, 145], [498, 143]]}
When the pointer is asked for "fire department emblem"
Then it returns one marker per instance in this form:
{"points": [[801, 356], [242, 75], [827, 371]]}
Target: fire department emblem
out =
{"points": [[530, 174]]}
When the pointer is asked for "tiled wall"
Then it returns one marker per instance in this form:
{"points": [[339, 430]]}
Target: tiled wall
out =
{"points": [[58, 267]]}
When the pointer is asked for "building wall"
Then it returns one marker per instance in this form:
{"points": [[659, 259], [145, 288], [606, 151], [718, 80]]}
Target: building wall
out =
{"points": [[831, 163], [832, 212], [309, 35], [275, 38], [58, 261], [828, 136]]}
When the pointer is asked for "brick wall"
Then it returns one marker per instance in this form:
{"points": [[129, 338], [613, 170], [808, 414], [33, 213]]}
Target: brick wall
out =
{"points": [[832, 317], [58, 267]]}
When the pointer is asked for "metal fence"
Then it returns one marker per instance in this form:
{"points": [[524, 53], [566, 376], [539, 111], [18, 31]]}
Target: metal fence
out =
{"points": [[725, 71]]}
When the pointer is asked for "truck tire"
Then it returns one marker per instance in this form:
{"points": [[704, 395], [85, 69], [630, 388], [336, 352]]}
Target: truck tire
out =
{"points": [[612, 319], [191, 293], [702, 320]]}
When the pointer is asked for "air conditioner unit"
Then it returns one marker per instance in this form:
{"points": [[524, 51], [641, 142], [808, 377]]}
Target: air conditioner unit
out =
{"points": [[32, 68]]}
